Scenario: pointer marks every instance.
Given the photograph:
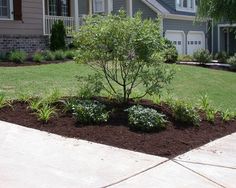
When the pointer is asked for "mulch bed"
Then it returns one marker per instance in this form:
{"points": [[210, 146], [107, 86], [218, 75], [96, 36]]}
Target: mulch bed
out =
{"points": [[173, 141], [30, 63], [215, 67]]}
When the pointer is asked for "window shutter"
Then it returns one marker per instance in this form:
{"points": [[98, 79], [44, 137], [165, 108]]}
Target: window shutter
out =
{"points": [[17, 4]]}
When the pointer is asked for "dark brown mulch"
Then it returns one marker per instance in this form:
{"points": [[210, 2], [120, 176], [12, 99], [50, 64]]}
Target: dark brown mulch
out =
{"points": [[30, 63], [171, 142], [215, 67]]}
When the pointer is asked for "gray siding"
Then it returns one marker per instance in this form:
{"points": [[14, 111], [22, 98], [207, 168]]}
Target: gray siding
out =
{"points": [[83, 7], [118, 4], [183, 25], [32, 24], [170, 3], [138, 5]]}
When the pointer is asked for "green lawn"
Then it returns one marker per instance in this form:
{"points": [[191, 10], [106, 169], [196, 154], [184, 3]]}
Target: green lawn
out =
{"points": [[189, 83]]}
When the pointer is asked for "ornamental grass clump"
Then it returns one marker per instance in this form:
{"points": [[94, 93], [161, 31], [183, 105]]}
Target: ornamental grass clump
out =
{"points": [[17, 56], [128, 52], [90, 112], [145, 119]]}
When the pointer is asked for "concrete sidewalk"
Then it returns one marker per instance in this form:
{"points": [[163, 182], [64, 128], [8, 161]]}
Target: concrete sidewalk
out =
{"points": [[33, 159]]}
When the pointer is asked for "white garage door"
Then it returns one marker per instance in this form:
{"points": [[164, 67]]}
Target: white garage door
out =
{"points": [[177, 38], [196, 41]]}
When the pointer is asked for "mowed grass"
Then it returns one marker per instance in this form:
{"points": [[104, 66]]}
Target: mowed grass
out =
{"points": [[189, 82]]}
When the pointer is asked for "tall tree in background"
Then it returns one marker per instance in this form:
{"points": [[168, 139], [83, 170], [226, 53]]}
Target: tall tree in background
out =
{"points": [[218, 10]]}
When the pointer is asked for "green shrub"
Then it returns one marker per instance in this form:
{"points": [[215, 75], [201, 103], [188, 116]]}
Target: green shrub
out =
{"points": [[57, 39], [49, 56], [90, 112], [59, 55], [170, 52], [53, 97], [127, 51], [202, 56], [222, 57], [90, 85], [232, 61], [145, 119], [185, 58], [204, 103], [70, 54], [185, 113], [68, 104], [17, 56], [38, 57]]}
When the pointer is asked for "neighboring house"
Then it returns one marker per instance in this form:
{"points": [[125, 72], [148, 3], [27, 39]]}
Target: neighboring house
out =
{"points": [[26, 24]]}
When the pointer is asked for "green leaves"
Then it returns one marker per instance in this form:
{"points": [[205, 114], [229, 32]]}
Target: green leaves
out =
{"points": [[128, 52]]}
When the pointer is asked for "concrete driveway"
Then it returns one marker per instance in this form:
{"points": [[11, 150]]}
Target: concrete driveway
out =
{"points": [[33, 159]]}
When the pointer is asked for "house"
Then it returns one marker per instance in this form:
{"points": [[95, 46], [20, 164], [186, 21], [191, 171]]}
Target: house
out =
{"points": [[26, 24]]}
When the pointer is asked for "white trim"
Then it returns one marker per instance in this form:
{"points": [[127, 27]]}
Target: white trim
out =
{"points": [[11, 12], [186, 9], [184, 37], [76, 14], [212, 36], [161, 26], [109, 6], [90, 7], [43, 4], [130, 8], [155, 6], [98, 11]]}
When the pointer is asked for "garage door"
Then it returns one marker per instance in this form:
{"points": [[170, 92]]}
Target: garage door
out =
{"points": [[177, 38], [196, 41]]}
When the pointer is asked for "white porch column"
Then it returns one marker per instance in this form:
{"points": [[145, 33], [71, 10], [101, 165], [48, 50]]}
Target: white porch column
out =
{"points": [[130, 8], [90, 7], [109, 6], [76, 14], [227, 40]]}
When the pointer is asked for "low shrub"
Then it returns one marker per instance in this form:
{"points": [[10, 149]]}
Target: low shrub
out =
{"points": [[49, 56], [145, 119], [70, 54], [38, 57], [53, 97], [232, 62], [69, 104], [17, 56], [35, 104], [3, 101], [221, 57], [90, 112], [202, 56], [210, 115], [90, 85], [185, 58], [45, 113], [185, 113], [59, 55], [228, 115], [170, 52]]}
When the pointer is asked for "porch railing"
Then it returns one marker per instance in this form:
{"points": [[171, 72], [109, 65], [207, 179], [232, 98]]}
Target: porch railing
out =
{"points": [[69, 23]]}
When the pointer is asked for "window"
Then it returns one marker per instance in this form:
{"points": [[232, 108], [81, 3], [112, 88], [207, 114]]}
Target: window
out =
{"points": [[186, 5], [5, 9], [98, 6], [59, 7]]}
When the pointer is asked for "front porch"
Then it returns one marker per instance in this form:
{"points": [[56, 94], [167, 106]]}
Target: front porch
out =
{"points": [[226, 38], [72, 12]]}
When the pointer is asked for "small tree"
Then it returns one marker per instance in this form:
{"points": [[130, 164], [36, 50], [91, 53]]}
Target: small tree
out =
{"points": [[127, 51], [57, 39]]}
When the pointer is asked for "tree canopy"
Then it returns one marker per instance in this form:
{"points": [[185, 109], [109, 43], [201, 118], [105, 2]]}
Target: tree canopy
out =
{"points": [[218, 10]]}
